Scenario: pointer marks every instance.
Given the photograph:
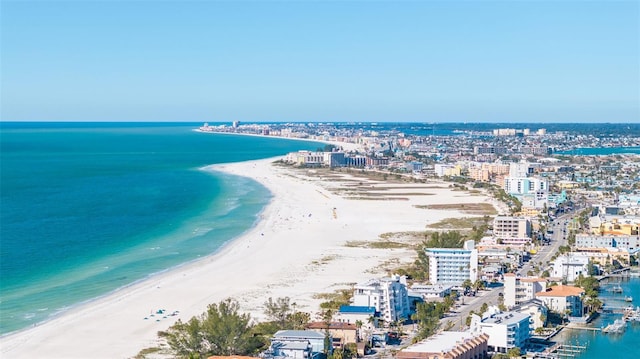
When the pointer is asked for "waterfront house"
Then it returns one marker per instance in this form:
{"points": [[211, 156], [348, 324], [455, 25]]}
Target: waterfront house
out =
{"points": [[570, 266], [563, 299]]}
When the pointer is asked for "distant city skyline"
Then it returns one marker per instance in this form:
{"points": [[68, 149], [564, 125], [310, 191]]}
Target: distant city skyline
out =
{"points": [[359, 61]]}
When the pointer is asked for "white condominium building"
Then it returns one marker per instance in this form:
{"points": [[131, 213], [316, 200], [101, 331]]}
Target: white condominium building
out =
{"points": [[506, 330], [525, 185], [453, 265], [388, 295], [520, 290]]}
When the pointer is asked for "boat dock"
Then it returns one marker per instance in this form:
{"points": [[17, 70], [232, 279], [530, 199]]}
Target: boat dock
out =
{"points": [[559, 351], [593, 329]]}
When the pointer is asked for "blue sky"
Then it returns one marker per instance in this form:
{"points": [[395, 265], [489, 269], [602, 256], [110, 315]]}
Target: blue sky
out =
{"points": [[473, 61]]}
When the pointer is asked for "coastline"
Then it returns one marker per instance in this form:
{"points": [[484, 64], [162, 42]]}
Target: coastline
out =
{"points": [[347, 146], [296, 248]]}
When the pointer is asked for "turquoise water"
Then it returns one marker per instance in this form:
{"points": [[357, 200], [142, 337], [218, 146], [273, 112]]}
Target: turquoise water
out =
{"points": [[88, 208], [601, 345], [593, 151]]}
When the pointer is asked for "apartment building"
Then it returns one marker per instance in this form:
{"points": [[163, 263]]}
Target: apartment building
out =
{"points": [[505, 330], [388, 295], [519, 290], [453, 265], [506, 227], [628, 242]]}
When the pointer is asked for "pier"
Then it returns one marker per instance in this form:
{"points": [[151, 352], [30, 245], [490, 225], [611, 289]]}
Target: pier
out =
{"points": [[559, 351], [593, 329]]}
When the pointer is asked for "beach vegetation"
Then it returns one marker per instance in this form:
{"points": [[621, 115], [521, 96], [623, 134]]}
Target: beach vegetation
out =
{"points": [[384, 244], [468, 208], [282, 315], [278, 310], [334, 300], [221, 330], [142, 354], [458, 223]]}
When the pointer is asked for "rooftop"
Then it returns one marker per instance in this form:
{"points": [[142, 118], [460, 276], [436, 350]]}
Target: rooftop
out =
{"points": [[561, 291], [332, 325], [298, 334], [506, 318], [357, 309], [441, 342]]}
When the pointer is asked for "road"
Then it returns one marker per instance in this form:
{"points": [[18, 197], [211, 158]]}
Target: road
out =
{"points": [[490, 295], [464, 306], [545, 252]]}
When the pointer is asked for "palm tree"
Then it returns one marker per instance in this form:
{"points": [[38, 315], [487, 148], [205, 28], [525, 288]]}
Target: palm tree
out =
{"points": [[359, 326]]}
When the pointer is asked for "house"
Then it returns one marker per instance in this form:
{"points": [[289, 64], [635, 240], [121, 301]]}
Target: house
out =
{"points": [[570, 266], [298, 344], [358, 314], [342, 333], [449, 345], [505, 330], [563, 299]]}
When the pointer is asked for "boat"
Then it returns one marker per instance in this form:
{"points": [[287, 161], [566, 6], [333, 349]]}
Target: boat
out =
{"points": [[617, 327], [617, 289], [632, 315], [628, 299]]}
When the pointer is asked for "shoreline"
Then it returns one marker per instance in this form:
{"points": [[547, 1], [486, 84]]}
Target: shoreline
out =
{"points": [[296, 248], [347, 146]]}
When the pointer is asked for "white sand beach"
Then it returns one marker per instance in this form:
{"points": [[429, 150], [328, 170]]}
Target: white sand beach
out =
{"points": [[297, 249]]}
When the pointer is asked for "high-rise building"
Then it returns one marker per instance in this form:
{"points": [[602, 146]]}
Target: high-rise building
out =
{"points": [[453, 265], [388, 295]]}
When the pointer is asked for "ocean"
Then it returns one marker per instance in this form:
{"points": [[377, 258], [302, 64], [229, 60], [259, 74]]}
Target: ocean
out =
{"points": [[87, 208], [600, 345]]}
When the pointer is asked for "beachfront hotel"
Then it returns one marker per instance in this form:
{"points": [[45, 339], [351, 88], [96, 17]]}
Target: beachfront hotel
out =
{"points": [[388, 295], [453, 265]]}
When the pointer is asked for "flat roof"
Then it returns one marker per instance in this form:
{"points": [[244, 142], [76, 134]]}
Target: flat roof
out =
{"points": [[357, 309], [300, 334], [441, 342], [505, 318]]}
